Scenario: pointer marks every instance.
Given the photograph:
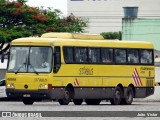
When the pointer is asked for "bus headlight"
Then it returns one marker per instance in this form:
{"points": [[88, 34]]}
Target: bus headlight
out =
{"points": [[43, 86], [11, 85]]}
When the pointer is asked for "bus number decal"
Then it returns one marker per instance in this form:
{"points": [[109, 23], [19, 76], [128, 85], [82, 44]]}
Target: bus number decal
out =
{"points": [[144, 69], [40, 80], [86, 71]]}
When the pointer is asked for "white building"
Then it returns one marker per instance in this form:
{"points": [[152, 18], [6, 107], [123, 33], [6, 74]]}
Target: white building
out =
{"points": [[106, 15]]}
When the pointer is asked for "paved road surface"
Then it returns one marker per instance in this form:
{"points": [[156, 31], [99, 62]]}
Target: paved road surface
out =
{"points": [[83, 110]]}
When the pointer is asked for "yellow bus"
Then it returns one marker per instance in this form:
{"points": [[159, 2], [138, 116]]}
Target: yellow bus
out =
{"points": [[75, 67]]}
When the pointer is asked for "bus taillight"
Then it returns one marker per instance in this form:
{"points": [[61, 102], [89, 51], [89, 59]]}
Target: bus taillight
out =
{"points": [[49, 86]]}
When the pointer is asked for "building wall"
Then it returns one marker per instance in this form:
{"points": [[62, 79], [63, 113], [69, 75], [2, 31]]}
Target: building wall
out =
{"points": [[142, 29], [106, 15]]}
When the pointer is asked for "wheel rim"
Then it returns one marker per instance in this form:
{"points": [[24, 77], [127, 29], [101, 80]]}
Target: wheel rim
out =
{"points": [[66, 95], [129, 96], [117, 97]]}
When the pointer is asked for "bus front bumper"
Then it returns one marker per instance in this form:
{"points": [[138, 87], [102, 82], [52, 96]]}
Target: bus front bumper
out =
{"points": [[36, 94], [56, 93]]}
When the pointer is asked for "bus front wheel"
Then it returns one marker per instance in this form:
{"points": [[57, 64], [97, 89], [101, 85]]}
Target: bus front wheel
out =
{"points": [[77, 101], [28, 101], [116, 100], [66, 99]]}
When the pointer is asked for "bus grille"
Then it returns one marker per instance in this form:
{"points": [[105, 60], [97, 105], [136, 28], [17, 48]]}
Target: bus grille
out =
{"points": [[149, 83]]}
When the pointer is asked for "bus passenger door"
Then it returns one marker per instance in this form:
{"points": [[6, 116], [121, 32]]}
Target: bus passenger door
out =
{"points": [[57, 59]]}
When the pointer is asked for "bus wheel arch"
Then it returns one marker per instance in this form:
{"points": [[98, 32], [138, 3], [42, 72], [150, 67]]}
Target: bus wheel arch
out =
{"points": [[70, 88], [122, 88], [68, 95]]}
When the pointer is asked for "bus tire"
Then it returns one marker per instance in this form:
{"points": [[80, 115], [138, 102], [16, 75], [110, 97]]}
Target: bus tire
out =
{"points": [[66, 99], [77, 101], [92, 101], [28, 101], [128, 96], [116, 100]]}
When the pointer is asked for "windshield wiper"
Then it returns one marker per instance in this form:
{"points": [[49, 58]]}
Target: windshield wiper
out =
{"points": [[24, 64], [33, 68]]}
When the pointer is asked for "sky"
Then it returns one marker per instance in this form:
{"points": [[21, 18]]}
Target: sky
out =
{"points": [[55, 4]]}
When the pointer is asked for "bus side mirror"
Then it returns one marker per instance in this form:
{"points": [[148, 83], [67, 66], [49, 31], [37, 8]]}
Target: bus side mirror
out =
{"points": [[2, 58]]}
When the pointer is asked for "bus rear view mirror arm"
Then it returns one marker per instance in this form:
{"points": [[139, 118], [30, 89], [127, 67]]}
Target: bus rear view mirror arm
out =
{"points": [[2, 58]]}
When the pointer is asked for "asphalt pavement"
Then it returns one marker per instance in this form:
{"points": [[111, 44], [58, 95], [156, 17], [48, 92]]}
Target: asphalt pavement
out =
{"points": [[52, 110]]}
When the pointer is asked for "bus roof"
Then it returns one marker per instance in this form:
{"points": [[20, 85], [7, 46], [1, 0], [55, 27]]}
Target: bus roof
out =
{"points": [[74, 42], [72, 36]]}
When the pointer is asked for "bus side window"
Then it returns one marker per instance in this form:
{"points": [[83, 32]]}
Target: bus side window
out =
{"points": [[57, 59], [146, 57], [107, 55], [68, 54], [120, 56], [81, 55], [94, 55], [133, 56]]}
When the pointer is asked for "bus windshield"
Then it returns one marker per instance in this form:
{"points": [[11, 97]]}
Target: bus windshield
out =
{"points": [[30, 59]]}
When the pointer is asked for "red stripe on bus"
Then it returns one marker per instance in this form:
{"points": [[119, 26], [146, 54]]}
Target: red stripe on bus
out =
{"points": [[138, 77]]}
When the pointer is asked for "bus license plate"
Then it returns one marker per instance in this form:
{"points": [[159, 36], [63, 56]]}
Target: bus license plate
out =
{"points": [[26, 95]]}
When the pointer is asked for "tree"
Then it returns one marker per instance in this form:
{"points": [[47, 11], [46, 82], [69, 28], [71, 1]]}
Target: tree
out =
{"points": [[112, 35], [20, 20]]}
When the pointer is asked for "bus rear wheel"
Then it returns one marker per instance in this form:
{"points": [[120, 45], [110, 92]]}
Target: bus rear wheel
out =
{"points": [[66, 99], [28, 101], [92, 101], [116, 100], [77, 101], [128, 96]]}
